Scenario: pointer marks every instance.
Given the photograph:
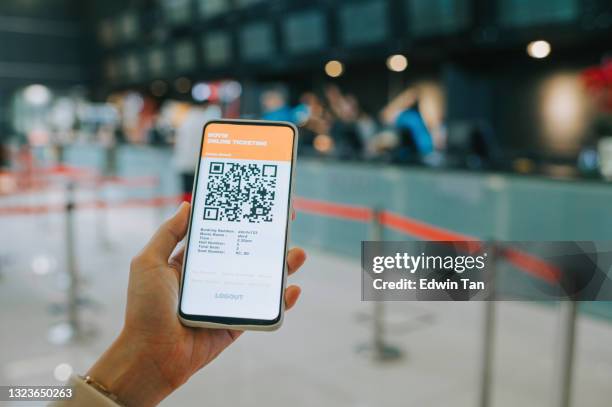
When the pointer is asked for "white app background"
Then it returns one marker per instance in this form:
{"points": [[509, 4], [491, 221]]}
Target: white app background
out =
{"points": [[235, 268]]}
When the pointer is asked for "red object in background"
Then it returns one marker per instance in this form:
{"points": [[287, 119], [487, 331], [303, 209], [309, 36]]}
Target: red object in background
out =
{"points": [[531, 264], [148, 114], [598, 81], [331, 209]]}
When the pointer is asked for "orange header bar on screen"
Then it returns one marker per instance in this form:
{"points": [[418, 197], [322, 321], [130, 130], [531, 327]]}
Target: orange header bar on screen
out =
{"points": [[248, 142]]}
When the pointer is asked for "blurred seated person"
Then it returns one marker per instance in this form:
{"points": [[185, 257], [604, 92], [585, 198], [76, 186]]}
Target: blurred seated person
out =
{"points": [[403, 114], [351, 127], [4, 156], [317, 123], [188, 120], [275, 107], [365, 126], [471, 144], [485, 153]]}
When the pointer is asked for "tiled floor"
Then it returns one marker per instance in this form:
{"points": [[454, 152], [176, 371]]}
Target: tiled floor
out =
{"points": [[314, 360]]}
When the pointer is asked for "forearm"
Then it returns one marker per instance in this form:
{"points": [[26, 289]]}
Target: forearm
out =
{"points": [[129, 373]]}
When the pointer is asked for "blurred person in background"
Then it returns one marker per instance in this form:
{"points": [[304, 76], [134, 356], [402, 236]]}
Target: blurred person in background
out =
{"points": [[275, 107], [7, 179], [160, 134], [189, 121], [108, 140], [316, 125], [344, 129], [365, 126], [4, 156], [402, 113]]}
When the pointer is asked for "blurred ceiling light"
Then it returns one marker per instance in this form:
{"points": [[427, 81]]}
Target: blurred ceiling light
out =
{"points": [[62, 372], [230, 91], [334, 68], [323, 143], [42, 265], [37, 95], [538, 49], [158, 88], [523, 165], [397, 63], [182, 85], [201, 92]]}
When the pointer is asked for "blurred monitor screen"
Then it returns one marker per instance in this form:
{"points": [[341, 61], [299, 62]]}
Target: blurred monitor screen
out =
{"points": [[106, 33], [112, 70], [256, 41], [246, 3], [519, 13], [435, 17], [128, 26], [305, 32], [213, 8], [184, 55], [156, 59], [131, 68], [217, 47], [177, 11], [364, 22]]}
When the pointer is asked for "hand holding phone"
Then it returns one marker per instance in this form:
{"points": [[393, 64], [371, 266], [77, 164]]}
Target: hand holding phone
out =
{"points": [[154, 353]]}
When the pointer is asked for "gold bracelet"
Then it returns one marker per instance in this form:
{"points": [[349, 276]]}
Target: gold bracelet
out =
{"points": [[101, 388]]}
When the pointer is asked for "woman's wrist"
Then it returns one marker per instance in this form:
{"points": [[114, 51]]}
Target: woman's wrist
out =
{"points": [[128, 372]]}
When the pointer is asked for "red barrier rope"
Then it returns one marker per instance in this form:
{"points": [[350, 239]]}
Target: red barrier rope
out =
{"points": [[31, 210], [420, 229], [424, 231], [400, 223], [332, 210], [533, 265], [129, 182], [58, 208], [40, 182], [62, 170]]}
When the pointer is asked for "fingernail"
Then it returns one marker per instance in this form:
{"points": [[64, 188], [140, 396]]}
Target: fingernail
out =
{"points": [[180, 208]]}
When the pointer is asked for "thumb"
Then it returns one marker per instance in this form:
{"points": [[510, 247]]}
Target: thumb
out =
{"points": [[169, 234]]}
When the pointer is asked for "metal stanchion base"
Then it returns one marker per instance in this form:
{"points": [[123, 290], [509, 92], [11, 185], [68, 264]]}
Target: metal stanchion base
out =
{"points": [[106, 245], [400, 324], [84, 303], [380, 353], [65, 333], [5, 262]]}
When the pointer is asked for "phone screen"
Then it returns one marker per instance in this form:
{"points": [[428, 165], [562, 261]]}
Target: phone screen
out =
{"points": [[235, 255]]}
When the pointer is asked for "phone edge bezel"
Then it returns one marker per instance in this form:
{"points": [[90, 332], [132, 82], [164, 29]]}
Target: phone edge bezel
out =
{"points": [[231, 322]]}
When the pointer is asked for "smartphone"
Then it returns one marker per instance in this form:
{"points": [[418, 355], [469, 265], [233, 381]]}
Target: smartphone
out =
{"points": [[235, 268]]}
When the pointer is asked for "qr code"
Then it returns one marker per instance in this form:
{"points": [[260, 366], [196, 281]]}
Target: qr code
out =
{"points": [[240, 192]]}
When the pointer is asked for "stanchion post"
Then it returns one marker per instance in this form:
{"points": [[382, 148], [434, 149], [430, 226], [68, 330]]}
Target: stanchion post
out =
{"points": [[72, 330], [382, 351], [73, 316], [102, 215], [108, 172], [568, 311], [488, 332], [159, 208], [378, 313]]}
